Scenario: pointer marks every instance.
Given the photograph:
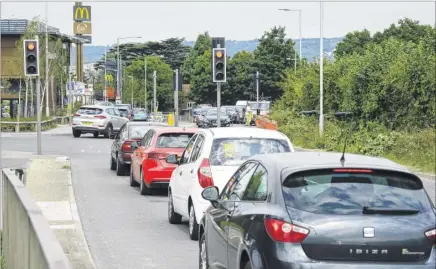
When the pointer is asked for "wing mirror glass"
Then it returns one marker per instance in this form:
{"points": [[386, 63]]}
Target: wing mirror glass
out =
{"points": [[172, 158], [210, 194]]}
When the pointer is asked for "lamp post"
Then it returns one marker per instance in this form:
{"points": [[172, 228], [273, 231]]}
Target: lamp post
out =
{"points": [[300, 26], [321, 69], [131, 89], [119, 60]]}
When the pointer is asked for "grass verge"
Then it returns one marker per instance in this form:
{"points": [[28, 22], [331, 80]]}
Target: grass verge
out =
{"points": [[414, 149]]}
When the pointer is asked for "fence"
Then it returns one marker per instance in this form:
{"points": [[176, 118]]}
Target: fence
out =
{"points": [[27, 240], [30, 126]]}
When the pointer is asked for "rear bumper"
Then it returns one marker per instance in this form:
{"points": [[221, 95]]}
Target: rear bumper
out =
{"points": [[126, 158], [158, 178], [88, 129]]}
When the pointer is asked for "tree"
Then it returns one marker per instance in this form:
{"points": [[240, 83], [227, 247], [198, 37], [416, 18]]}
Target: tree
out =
{"points": [[240, 78], [203, 90], [272, 57], [202, 44], [164, 83], [353, 42]]}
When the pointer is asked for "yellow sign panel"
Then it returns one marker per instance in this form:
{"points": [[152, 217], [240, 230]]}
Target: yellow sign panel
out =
{"points": [[82, 28], [82, 13]]}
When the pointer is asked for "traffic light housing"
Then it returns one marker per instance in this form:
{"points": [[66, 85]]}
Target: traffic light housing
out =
{"points": [[31, 58], [219, 64]]}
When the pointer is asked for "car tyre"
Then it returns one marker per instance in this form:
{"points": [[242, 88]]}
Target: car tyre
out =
{"points": [[202, 257], [76, 133], [113, 164], [193, 225], [143, 189], [109, 131], [95, 134], [173, 217], [133, 183], [121, 168]]}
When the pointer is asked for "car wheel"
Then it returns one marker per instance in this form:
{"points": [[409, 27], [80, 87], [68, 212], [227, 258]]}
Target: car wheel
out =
{"points": [[173, 217], [203, 263], [121, 168], [109, 131], [133, 183], [113, 164], [95, 134], [77, 133], [193, 226], [143, 189]]}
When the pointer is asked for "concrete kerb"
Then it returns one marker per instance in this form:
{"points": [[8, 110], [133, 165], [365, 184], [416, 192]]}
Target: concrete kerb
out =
{"points": [[50, 180]]}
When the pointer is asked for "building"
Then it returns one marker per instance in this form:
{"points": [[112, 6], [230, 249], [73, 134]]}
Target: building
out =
{"points": [[12, 64]]}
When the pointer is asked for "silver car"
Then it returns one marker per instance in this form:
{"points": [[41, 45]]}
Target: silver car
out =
{"points": [[97, 120]]}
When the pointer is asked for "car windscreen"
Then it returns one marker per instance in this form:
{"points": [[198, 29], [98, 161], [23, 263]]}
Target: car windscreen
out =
{"points": [[138, 131], [173, 140], [90, 111], [214, 113], [123, 111], [338, 193], [234, 151]]}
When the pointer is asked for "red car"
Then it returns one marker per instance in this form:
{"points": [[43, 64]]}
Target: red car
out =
{"points": [[149, 168]]}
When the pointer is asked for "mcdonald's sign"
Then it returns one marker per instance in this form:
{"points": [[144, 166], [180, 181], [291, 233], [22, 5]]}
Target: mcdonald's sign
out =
{"points": [[82, 13]]}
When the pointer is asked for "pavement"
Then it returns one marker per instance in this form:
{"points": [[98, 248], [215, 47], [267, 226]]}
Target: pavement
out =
{"points": [[123, 229], [48, 180]]}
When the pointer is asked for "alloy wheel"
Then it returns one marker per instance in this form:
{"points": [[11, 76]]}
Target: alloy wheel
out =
{"points": [[203, 254], [191, 220]]}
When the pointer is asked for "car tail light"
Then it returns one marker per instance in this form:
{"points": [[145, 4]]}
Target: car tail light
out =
{"points": [[431, 235], [100, 117], [205, 174], [281, 231], [157, 155], [345, 170], [76, 115], [126, 147]]}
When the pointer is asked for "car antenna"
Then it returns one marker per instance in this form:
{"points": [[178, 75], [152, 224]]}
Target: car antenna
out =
{"points": [[345, 144]]}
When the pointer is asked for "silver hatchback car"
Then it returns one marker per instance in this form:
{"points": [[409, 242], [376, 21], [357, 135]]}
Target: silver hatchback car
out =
{"points": [[97, 120]]}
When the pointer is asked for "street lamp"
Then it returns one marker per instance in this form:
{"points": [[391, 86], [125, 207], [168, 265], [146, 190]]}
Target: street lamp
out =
{"points": [[119, 59], [321, 69], [299, 22], [131, 89]]}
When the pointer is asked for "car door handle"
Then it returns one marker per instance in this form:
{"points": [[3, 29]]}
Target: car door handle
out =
{"points": [[181, 172], [192, 170]]}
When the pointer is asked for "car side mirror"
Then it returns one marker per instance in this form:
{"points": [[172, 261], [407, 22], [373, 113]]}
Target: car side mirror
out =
{"points": [[134, 145], [210, 194], [172, 158]]}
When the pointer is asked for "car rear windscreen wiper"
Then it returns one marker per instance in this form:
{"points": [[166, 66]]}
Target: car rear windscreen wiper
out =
{"points": [[370, 211]]}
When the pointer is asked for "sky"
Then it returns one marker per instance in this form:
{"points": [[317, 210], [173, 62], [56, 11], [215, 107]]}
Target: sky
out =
{"points": [[233, 20]]}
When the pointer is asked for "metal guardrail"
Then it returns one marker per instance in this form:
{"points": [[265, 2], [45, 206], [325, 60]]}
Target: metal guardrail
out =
{"points": [[27, 240], [28, 124]]}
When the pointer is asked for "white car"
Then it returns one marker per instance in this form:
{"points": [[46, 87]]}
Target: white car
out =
{"points": [[211, 157]]}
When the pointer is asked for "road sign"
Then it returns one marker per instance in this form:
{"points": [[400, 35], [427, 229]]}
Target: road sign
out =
{"points": [[82, 28], [88, 38], [82, 13]]}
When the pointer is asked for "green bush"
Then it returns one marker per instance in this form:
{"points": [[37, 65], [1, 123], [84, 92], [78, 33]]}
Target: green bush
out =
{"points": [[415, 149]]}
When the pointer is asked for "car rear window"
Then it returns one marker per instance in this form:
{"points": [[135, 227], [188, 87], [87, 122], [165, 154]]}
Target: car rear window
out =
{"points": [[138, 131], [123, 111], [337, 193], [90, 111], [234, 151], [173, 140]]}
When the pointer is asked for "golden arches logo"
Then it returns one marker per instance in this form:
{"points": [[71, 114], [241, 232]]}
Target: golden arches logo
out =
{"points": [[84, 12]]}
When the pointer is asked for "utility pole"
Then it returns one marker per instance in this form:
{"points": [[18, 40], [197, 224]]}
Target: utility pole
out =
{"points": [[131, 90], [154, 92], [71, 101], [19, 108], [176, 99], [118, 94], [47, 108], [145, 83], [321, 71], [105, 73], [257, 88]]}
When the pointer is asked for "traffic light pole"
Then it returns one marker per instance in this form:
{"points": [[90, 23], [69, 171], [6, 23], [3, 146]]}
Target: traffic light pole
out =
{"points": [[176, 100], [38, 116], [218, 103]]}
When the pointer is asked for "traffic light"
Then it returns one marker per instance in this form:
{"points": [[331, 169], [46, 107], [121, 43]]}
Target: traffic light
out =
{"points": [[31, 58], [219, 65]]}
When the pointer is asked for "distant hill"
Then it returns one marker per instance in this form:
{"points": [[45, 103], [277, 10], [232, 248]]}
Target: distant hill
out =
{"points": [[310, 48]]}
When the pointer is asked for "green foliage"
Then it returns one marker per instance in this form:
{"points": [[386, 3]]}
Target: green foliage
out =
{"points": [[273, 55], [164, 88], [202, 87], [202, 44], [415, 149], [240, 80]]}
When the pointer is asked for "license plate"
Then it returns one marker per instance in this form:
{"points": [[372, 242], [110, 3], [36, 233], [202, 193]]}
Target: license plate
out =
{"points": [[87, 123]]}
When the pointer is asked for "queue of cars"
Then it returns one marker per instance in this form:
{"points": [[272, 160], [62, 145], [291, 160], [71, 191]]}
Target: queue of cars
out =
{"points": [[253, 202]]}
